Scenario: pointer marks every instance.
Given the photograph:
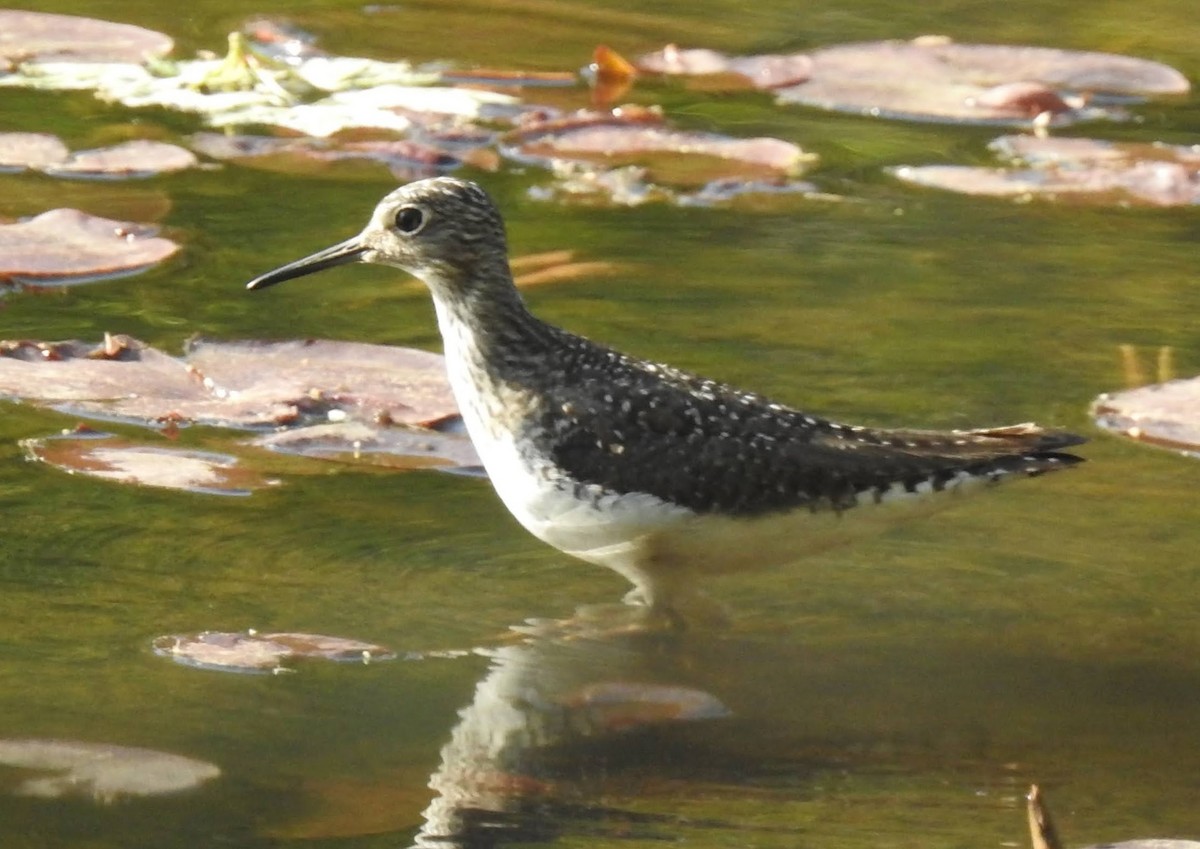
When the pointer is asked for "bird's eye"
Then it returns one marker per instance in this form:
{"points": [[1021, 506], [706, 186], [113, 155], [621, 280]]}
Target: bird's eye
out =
{"points": [[409, 219]]}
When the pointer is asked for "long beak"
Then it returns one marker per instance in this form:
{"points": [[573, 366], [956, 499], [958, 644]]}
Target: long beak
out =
{"points": [[351, 250]]}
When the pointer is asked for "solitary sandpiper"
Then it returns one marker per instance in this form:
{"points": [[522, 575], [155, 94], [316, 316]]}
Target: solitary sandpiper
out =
{"points": [[654, 472]]}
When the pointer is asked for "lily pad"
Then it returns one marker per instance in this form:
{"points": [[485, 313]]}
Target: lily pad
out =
{"points": [[138, 158], [21, 151], [406, 159], [43, 37], [664, 156], [104, 456], [728, 72], [1078, 170], [378, 383], [100, 771], [370, 444], [933, 78], [230, 384], [577, 182], [1163, 414], [263, 653], [66, 246]]}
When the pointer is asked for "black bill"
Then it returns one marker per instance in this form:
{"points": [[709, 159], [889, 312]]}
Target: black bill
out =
{"points": [[343, 253]]}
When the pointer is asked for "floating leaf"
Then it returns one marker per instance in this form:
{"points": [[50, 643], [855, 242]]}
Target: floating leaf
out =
{"points": [[101, 455], [231, 384], [936, 79], [1081, 170], [100, 771], [21, 151], [406, 159], [378, 383], [673, 157], [43, 37], [138, 158], [68, 246], [630, 186], [254, 652], [1164, 414], [364, 443], [610, 76], [730, 72]]}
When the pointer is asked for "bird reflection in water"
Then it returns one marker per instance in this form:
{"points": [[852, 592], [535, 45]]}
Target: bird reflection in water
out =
{"points": [[545, 718]]}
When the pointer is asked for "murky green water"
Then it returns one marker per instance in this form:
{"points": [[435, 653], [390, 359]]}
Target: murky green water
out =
{"points": [[903, 692]]}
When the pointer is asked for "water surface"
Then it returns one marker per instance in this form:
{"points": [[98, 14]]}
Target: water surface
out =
{"points": [[903, 692]]}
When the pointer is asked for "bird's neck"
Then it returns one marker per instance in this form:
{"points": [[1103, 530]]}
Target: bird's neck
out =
{"points": [[491, 339]]}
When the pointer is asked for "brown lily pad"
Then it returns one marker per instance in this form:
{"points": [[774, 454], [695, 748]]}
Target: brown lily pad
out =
{"points": [[1163, 414], [101, 771], [728, 72], [43, 37], [230, 384], [1079, 170], [263, 653], [936, 79], [101, 455], [66, 246]]}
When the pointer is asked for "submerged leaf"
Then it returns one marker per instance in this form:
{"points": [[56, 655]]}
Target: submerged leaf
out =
{"points": [[624, 705], [68, 246], [100, 771], [254, 652]]}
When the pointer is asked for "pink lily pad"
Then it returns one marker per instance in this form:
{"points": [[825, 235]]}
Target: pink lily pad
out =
{"points": [[669, 156], [101, 771], [406, 159], [1080, 170], [363, 443], [254, 652], [378, 383], [66, 246], [935, 79], [230, 384], [138, 158], [21, 151], [39, 36], [1163, 414], [761, 72], [104, 456]]}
